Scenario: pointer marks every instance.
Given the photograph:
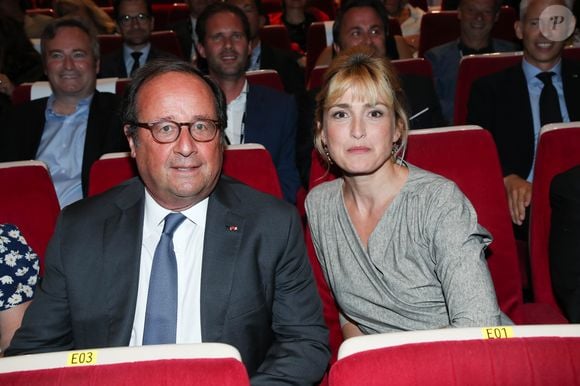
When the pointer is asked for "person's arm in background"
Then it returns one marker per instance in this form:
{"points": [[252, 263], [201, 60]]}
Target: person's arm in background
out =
{"points": [[10, 320]]}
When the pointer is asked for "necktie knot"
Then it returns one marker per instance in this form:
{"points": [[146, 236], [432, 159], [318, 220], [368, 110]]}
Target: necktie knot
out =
{"points": [[136, 55], [172, 222], [546, 77]]}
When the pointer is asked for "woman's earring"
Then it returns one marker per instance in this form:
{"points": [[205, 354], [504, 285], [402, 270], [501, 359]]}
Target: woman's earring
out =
{"points": [[327, 154], [395, 148]]}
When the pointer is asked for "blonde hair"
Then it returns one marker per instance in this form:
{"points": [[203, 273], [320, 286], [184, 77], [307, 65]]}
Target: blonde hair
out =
{"points": [[368, 77]]}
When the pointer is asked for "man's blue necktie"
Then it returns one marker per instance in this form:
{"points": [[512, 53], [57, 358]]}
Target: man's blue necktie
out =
{"points": [[161, 312]]}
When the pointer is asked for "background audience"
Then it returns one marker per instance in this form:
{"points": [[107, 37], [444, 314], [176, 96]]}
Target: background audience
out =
{"points": [[514, 104], [135, 22], [476, 20], [75, 125], [256, 114]]}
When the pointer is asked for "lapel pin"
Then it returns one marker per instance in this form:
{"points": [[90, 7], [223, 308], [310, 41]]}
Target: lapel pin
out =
{"points": [[232, 228]]}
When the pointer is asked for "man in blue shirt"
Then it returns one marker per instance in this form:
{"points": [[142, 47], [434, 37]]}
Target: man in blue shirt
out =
{"points": [[75, 125], [507, 103]]}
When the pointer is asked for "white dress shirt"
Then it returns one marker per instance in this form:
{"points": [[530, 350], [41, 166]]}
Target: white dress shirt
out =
{"points": [[236, 111], [188, 244]]}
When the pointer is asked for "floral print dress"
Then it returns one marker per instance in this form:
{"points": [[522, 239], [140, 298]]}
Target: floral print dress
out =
{"points": [[19, 267]]}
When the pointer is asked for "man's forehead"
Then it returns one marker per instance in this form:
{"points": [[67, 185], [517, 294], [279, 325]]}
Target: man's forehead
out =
{"points": [[536, 7], [361, 16], [223, 21]]}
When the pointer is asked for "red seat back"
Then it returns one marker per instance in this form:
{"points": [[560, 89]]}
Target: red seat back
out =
{"points": [[515, 361], [268, 78], [165, 40], [248, 163], [558, 150], [415, 66], [441, 27], [28, 200], [275, 36], [467, 155], [167, 14], [473, 67]]}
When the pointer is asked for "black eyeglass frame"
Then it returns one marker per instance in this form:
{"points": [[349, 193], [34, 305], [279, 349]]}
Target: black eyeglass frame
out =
{"points": [[150, 127], [127, 19]]}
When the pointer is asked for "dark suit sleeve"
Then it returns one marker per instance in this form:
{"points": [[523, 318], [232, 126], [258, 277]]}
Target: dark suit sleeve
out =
{"points": [[564, 244], [421, 95], [299, 354], [480, 106], [286, 162], [47, 326]]}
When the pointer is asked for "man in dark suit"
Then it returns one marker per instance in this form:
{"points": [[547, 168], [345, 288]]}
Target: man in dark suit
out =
{"points": [[255, 113], [74, 126], [476, 20], [240, 273], [185, 29], [507, 104], [266, 57], [565, 241], [135, 22]]}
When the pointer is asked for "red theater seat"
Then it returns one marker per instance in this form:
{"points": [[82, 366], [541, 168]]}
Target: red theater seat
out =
{"points": [[28, 200], [25, 92], [466, 155], [248, 163], [415, 66], [473, 67], [208, 364], [516, 355], [558, 150], [268, 78], [443, 26]]}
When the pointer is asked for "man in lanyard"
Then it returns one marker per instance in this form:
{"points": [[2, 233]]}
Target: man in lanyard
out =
{"points": [[181, 254], [510, 103], [256, 114]]}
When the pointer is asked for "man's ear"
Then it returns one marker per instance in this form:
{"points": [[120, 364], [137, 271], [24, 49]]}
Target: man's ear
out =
{"points": [[262, 21], [336, 47], [518, 28], [131, 139], [201, 50]]}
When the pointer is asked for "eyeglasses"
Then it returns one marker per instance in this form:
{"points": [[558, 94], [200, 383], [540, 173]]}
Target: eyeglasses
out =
{"points": [[201, 130], [126, 19]]}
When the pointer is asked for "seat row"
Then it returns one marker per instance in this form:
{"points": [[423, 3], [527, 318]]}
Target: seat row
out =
{"points": [[522, 355], [464, 154]]}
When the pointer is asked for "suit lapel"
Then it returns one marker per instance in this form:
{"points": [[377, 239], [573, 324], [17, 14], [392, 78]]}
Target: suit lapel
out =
{"points": [[122, 239], [254, 115], [571, 81], [223, 235]]}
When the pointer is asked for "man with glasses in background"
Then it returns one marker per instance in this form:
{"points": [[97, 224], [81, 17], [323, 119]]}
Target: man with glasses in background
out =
{"points": [[135, 23], [181, 254]]}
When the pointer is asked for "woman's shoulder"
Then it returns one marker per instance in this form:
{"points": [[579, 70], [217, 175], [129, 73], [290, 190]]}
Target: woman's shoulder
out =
{"points": [[426, 183], [324, 191]]}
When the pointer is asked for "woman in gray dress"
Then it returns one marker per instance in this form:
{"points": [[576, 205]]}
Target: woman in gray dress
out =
{"points": [[400, 247]]}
